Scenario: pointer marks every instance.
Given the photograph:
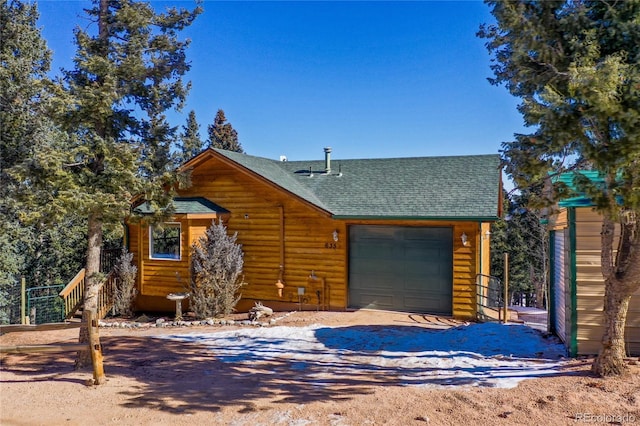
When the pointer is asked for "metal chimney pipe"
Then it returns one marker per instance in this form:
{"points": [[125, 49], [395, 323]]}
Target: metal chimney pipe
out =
{"points": [[327, 160]]}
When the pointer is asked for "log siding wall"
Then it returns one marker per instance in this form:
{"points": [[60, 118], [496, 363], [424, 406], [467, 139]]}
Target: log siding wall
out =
{"points": [[265, 219]]}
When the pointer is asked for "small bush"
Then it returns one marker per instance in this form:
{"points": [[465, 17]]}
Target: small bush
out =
{"points": [[216, 273], [125, 290]]}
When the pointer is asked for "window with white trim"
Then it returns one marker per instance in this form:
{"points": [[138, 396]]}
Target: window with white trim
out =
{"points": [[164, 241]]}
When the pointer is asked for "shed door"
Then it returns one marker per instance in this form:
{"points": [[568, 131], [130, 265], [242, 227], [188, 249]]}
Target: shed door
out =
{"points": [[559, 286], [401, 268]]}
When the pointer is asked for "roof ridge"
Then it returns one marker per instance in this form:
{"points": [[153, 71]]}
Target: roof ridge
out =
{"points": [[454, 186], [435, 157]]}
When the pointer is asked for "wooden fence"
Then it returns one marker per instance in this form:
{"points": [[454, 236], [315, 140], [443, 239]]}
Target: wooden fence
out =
{"points": [[93, 346]]}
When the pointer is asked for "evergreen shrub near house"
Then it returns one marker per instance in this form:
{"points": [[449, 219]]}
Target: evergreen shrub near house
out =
{"points": [[216, 273], [125, 289]]}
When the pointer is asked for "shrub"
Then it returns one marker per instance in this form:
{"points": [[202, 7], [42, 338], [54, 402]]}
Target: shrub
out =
{"points": [[125, 289], [216, 273]]}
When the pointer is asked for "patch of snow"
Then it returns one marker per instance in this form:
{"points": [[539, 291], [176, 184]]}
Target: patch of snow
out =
{"points": [[488, 354]]}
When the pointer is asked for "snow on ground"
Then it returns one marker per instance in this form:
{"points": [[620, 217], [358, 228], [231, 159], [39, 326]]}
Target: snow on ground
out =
{"points": [[488, 354]]}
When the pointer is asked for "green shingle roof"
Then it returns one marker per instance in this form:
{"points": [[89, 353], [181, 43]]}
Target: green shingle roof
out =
{"points": [[186, 205], [454, 187], [580, 199]]}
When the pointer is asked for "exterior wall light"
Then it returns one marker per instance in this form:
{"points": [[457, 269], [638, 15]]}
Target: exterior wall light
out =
{"points": [[465, 241], [487, 235], [335, 235]]}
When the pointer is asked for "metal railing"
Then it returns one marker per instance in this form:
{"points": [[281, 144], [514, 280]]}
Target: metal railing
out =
{"points": [[489, 298], [109, 258], [43, 304]]}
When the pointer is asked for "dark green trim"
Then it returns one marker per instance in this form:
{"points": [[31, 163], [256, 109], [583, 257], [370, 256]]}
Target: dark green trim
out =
{"points": [[552, 282], [573, 346], [186, 205], [423, 218]]}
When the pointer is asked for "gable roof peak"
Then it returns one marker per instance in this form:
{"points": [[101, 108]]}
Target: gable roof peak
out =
{"points": [[463, 186]]}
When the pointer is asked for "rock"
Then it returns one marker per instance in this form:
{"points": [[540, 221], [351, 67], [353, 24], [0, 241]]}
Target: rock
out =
{"points": [[143, 318]]}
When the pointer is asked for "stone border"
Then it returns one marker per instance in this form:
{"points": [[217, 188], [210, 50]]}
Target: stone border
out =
{"points": [[164, 323]]}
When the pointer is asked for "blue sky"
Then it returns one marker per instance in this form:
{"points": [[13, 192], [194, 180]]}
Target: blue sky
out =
{"points": [[369, 79]]}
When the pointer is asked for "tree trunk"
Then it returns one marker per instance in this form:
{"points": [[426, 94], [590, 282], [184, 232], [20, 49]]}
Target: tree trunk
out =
{"points": [[540, 302], [610, 359], [622, 279], [94, 280]]}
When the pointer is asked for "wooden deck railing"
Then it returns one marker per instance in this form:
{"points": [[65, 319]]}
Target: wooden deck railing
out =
{"points": [[73, 295], [106, 295]]}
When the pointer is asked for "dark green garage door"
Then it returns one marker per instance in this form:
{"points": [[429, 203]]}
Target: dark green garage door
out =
{"points": [[401, 268]]}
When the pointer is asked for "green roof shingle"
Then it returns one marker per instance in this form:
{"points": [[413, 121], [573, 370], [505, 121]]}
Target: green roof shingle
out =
{"points": [[186, 205], [455, 187]]}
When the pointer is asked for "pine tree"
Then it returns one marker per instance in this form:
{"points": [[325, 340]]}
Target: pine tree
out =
{"points": [[127, 73], [574, 64], [25, 61], [40, 250], [521, 235], [191, 144], [222, 135]]}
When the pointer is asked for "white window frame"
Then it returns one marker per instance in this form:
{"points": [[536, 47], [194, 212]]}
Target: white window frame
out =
{"points": [[161, 256]]}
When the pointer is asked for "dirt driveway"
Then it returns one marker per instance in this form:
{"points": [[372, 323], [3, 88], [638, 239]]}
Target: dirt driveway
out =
{"points": [[153, 380]]}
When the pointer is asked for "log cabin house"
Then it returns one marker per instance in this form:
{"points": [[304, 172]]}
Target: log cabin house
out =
{"points": [[404, 234], [576, 281]]}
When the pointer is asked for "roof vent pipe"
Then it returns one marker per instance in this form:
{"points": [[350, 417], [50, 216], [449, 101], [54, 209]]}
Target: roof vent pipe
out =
{"points": [[327, 160]]}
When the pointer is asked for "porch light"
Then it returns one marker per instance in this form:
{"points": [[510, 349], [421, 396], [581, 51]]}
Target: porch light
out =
{"points": [[465, 241], [335, 235], [487, 235]]}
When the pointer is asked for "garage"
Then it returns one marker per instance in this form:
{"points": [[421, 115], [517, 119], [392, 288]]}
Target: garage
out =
{"points": [[407, 269]]}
